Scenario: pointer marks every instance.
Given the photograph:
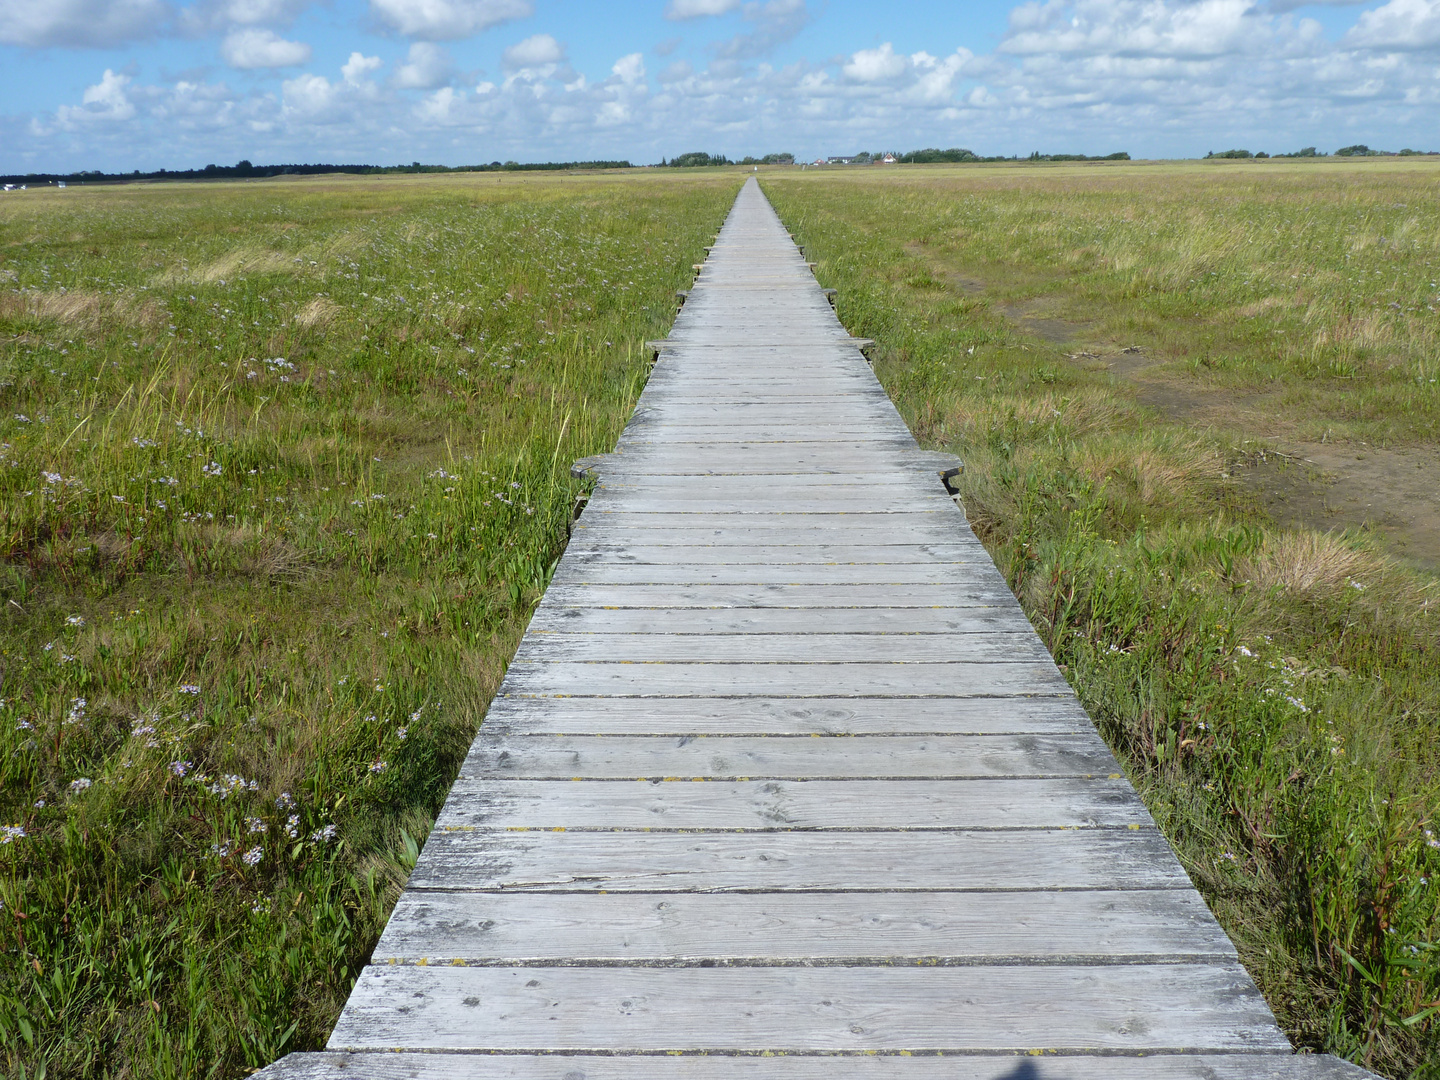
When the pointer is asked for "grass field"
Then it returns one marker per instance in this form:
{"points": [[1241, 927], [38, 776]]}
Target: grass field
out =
{"points": [[283, 470], [1145, 368]]}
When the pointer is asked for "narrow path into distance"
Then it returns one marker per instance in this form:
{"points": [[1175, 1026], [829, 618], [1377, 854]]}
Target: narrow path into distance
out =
{"points": [[781, 783]]}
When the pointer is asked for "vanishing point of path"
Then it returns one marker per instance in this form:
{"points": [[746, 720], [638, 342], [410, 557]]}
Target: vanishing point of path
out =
{"points": [[781, 783]]}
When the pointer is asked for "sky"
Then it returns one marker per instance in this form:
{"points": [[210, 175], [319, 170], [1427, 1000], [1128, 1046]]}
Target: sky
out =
{"points": [[118, 85]]}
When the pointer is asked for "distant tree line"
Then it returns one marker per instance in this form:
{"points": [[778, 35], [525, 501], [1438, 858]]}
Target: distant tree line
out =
{"points": [[929, 156], [1358, 150], [243, 170], [696, 159], [932, 156]]}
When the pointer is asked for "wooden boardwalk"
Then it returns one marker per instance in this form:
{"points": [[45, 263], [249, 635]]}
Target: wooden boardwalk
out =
{"points": [[781, 783]]}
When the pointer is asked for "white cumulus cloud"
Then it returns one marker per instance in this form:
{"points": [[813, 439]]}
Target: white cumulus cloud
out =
{"points": [[252, 48], [108, 101], [257, 12], [310, 95], [1130, 28], [537, 51], [630, 69], [445, 107], [213, 16], [80, 23], [358, 66], [448, 20], [773, 23], [876, 65], [426, 66], [699, 9], [1400, 25]]}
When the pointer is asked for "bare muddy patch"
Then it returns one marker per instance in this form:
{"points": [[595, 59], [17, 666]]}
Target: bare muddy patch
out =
{"points": [[1390, 493], [1036, 317]]}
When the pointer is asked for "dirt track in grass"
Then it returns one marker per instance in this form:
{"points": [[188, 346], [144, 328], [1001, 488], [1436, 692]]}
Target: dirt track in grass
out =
{"points": [[1389, 492]]}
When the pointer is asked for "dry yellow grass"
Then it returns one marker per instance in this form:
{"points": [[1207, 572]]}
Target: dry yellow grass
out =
{"points": [[248, 260], [81, 309], [1311, 562], [318, 314]]}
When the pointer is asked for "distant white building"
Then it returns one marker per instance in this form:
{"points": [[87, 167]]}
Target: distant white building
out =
{"points": [[888, 159]]}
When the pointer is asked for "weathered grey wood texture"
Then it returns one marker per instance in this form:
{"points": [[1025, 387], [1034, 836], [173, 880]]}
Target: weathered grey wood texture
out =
{"points": [[781, 782]]}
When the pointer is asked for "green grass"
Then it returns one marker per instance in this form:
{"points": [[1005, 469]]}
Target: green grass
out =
{"points": [[1274, 694], [283, 470]]}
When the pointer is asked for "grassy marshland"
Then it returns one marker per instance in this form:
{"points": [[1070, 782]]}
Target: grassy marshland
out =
{"points": [[283, 469]]}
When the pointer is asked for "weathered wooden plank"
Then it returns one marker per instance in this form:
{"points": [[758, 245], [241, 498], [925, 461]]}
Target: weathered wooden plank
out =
{"points": [[593, 546], [617, 525], [784, 928], [793, 804], [626, 757], [837, 427], [870, 482], [817, 389], [741, 493], [764, 501], [655, 437], [844, 453], [786, 716], [766, 622], [780, 596], [862, 1066], [792, 680], [940, 575], [711, 532], [1084, 1007], [829, 409], [991, 644], [699, 462], [633, 861], [812, 385], [657, 434], [926, 526]]}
